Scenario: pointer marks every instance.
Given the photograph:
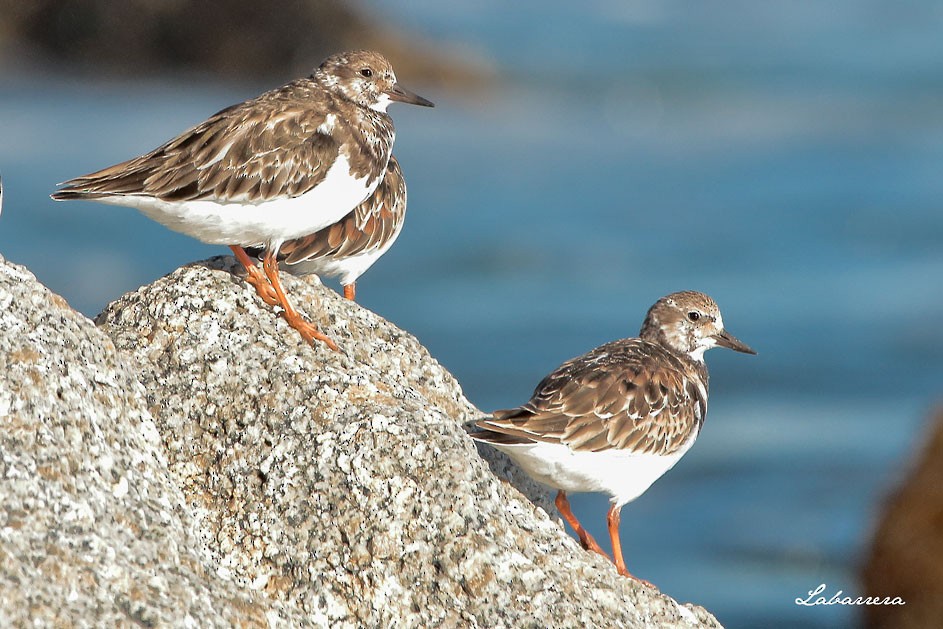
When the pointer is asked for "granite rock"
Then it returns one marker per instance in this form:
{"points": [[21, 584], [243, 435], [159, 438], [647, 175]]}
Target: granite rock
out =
{"points": [[192, 462], [344, 483], [93, 531]]}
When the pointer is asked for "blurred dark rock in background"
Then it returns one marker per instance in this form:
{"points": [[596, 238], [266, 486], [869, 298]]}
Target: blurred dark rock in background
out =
{"points": [[906, 556], [232, 39]]}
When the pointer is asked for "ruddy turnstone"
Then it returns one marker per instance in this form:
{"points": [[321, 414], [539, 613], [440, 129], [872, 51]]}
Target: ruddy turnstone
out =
{"points": [[351, 245], [617, 418], [272, 169]]}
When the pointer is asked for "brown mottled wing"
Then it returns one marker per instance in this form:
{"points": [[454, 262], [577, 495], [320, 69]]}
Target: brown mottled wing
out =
{"points": [[628, 394], [370, 225], [264, 148]]}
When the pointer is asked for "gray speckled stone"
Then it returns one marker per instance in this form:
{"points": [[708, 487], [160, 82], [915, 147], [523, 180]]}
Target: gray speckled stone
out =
{"points": [[93, 532], [343, 485]]}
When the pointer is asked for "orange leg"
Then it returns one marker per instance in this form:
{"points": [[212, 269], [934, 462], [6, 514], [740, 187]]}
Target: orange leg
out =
{"points": [[587, 541], [613, 519], [256, 278], [350, 291], [307, 330]]}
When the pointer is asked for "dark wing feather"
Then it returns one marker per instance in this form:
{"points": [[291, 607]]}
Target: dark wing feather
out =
{"points": [[628, 394], [264, 148], [367, 227]]}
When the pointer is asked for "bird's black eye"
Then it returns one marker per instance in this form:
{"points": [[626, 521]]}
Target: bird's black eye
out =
{"points": [[694, 315], [367, 72]]}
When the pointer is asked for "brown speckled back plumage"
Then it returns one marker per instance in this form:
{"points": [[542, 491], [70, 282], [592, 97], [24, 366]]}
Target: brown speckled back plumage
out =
{"points": [[628, 394], [645, 395], [279, 144]]}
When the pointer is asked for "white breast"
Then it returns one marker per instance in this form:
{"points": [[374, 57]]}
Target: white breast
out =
{"points": [[623, 475], [250, 224]]}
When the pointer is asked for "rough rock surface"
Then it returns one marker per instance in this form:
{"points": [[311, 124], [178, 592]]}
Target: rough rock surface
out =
{"points": [[906, 556], [93, 532], [292, 482]]}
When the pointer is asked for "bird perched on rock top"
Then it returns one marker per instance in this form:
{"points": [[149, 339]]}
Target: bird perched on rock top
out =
{"points": [[618, 417], [274, 168], [351, 245]]}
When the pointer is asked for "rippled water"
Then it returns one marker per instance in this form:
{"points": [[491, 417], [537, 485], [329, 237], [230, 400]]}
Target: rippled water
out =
{"points": [[784, 158]]}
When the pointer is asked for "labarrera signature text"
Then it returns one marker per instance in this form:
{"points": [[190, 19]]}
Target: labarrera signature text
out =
{"points": [[817, 598]]}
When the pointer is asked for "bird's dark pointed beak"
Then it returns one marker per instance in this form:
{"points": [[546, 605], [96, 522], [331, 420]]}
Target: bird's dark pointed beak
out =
{"points": [[728, 340], [405, 96]]}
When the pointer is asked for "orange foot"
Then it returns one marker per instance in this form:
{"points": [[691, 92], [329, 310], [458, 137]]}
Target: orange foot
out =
{"points": [[586, 540], [626, 573], [612, 519], [256, 278], [269, 288], [308, 331]]}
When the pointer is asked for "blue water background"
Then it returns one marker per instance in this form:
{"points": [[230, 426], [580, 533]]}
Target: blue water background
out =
{"points": [[785, 158]]}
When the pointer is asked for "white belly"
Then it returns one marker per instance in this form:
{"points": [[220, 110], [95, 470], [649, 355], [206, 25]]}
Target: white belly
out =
{"points": [[250, 224], [622, 475]]}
